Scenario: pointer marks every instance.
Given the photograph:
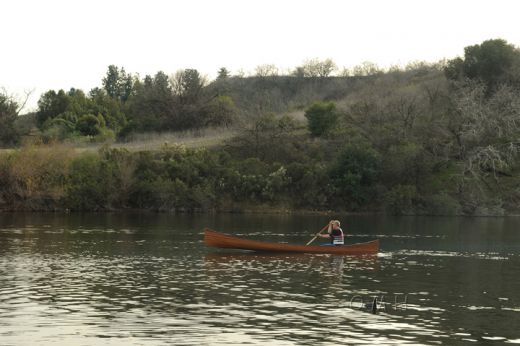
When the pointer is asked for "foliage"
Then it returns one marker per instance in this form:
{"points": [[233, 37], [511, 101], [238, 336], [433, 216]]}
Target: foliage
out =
{"points": [[64, 115], [266, 70], [442, 204], [50, 105], [117, 83], [257, 139], [366, 68], [89, 125], [8, 113], [492, 62], [355, 173], [223, 73], [401, 199], [221, 111], [34, 178], [309, 185], [315, 68], [90, 184], [151, 107], [188, 85], [322, 118]]}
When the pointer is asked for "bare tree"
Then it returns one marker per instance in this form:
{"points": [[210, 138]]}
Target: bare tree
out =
{"points": [[486, 129], [318, 68], [366, 68], [266, 70], [20, 102]]}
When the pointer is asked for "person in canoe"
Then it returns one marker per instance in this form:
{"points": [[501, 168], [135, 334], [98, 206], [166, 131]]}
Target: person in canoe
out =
{"points": [[334, 233]]}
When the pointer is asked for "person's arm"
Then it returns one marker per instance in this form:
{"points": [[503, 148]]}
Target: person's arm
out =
{"points": [[324, 235]]}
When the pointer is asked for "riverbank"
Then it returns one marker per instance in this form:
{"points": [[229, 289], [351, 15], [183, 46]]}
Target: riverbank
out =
{"points": [[177, 179], [249, 210]]}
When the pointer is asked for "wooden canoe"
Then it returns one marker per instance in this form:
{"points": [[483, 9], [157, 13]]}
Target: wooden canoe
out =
{"points": [[220, 240]]}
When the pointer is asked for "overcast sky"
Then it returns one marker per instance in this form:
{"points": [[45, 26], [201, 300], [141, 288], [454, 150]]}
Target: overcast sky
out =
{"points": [[55, 44]]}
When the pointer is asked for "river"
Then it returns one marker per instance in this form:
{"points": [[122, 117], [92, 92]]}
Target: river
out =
{"points": [[148, 279]]}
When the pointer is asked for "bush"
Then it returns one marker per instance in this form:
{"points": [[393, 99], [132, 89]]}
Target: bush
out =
{"points": [[89, 125], [309, 185], [492, 62], [355, 174], [9, 134], [160, 194], [322, 118], [91, 183], [34, 178]]}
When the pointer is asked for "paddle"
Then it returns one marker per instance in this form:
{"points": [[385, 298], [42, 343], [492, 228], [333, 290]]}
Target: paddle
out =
{"points": [[316, 236]]}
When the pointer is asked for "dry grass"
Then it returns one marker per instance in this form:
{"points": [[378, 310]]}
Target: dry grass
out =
{"points": [[154, 141], [205, 138], [190, 139], [298, 115]]}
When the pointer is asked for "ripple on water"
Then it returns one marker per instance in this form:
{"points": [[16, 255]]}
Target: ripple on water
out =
{"points": [[100, 286]]}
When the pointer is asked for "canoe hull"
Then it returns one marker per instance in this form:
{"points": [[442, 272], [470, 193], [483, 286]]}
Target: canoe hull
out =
{"points": [[220, 240]]}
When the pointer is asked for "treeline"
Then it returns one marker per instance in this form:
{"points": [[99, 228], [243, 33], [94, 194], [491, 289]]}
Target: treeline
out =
{"points": [[436, 139], [126, 104]]}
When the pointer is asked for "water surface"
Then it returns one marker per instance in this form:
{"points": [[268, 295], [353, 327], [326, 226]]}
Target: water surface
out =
{"points": [[147, 279]]}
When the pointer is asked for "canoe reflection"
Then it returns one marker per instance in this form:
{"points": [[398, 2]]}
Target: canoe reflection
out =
{"points": [[335, 263]]}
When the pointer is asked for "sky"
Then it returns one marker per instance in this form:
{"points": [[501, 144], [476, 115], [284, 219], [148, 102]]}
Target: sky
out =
{"points": [[59, 44]]}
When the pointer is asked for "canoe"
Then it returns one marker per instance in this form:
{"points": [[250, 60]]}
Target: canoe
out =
{"points": [[220, 240]]}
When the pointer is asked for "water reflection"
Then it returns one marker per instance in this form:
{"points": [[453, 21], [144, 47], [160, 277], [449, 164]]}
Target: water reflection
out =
{"points": [[332, 266]]}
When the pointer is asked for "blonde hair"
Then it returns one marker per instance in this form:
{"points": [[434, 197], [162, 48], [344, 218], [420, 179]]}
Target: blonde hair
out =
{"points": [[337, 223]]}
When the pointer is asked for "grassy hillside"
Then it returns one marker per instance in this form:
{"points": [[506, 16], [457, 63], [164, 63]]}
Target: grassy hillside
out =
{"points": [[436, 139]]}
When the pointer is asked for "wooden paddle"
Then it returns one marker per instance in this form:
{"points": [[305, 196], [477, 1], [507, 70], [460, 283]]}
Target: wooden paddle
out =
{"points": [[316, 236]]}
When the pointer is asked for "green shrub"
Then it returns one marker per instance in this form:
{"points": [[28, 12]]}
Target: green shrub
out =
{"points": [[355, 173], [91, 183], [322, 117], [89, 125], [309, 184]]}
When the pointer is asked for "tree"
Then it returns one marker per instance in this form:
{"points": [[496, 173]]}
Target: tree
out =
{"points": [[59, 112], [188, 85], [266, 70], [110, 108], [492, 62], [258, 138], [153, 105], [223, 73], [117, 83], [161, 85], [8, 113], [322, 118], [486, 130], [50, 105], [316, 68], [89, 125], [220, 111], [355, 173], [366, 68], [299, 72]]}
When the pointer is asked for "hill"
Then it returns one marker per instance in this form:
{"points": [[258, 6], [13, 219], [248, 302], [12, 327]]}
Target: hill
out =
{"points": [[436, 139]]}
